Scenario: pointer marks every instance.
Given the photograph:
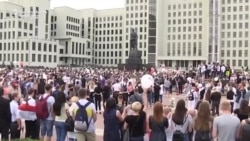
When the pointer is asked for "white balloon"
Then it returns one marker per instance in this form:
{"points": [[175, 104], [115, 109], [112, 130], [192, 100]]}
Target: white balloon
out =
{"points": [[147, 81]]}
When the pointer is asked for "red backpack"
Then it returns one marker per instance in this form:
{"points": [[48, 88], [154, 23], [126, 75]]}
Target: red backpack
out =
{"points": [[42, 111]]}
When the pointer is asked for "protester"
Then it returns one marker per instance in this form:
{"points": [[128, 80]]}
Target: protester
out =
{"points": [[5, 116], [222, 128]]}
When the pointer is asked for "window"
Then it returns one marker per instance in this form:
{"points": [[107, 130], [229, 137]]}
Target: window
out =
{"points": [[45, 47], [33, 57], [50, 58], [55, 48], [39, 58], [44, 58], [55, 59]]}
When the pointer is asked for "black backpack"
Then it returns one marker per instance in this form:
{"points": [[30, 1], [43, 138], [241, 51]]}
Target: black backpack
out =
{"points": [[178, 135], [202, 136], [191, 96], [246, 131]]}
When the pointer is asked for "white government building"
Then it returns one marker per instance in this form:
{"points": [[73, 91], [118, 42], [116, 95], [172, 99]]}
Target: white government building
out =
{"points": [[172, 32]]}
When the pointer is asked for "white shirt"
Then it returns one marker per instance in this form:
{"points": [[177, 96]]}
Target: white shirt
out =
{"points": [[116, 87], [14, 111]]}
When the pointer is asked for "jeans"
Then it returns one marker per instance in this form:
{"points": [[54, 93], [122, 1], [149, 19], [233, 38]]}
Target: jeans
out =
{"points": [[136, 138], [186, 137], [150, 98], [47, 127], [98, 102], [160, 98], [60, 131], [215, 107]]}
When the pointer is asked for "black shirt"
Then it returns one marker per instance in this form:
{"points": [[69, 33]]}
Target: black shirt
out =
{"points": [[136, 124], [157, 89]]}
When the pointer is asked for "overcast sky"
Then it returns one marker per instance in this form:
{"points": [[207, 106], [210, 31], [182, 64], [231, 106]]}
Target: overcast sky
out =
{"points": [[83, 4]]}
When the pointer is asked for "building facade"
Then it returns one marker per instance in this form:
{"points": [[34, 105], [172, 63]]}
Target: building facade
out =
{"points": [[182, 32], [177, 33], [235, 32]]}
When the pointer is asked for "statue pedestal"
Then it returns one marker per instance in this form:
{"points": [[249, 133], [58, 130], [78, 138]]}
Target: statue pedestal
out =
{"points": [[134, 57]]}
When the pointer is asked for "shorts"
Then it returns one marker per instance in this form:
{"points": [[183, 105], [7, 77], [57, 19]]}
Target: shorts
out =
{"points": [[47, 127]]}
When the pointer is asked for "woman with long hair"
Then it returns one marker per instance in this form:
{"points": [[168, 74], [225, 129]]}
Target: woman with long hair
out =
{"points": [[242, 112], [181, 120], [203, 122], [157, 124], [112, 119], [59, 108]]}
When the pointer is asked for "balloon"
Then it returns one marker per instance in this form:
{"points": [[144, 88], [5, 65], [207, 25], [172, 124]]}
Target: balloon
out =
{"points": [[147, 81]]}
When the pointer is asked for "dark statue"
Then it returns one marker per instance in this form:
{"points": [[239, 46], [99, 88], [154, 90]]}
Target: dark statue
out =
{"points": [[133, 40]]}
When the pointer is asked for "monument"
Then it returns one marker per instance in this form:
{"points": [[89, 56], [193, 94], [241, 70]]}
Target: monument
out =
{"points": [[134, 60]]}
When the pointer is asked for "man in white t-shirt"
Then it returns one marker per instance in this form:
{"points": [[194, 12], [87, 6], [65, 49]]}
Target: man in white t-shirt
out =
{"points": [[192, 97]]}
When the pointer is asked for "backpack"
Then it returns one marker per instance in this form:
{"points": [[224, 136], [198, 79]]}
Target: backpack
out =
{"points": [[81, 118], [246, 131], [42, 111], [178, 135], [191, 96], [202, 136]]}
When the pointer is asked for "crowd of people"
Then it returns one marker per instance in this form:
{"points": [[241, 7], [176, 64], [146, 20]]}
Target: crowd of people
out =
{"points": [[70, 100]]}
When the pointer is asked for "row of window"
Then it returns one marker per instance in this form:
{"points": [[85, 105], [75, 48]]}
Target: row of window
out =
{"points": [[233, 43], [185, 37], [109, 46], [233, 35], [136, 8], [72, 27], [189, 29], [108, 54], [108, 61], [35, 58], [235, 9], [19, 46], [234, 26], [241, 17], [108, 19], [12, 24], [38, 47], [108, 32], [185, 21], [233, 63], [109, 25], [184, 6], [107, 39], [136, 15], [72, 19], [184, 13], [76, 48], [233, 53], [72, 34], [53, 19], [12, 35], [136, 1], [234, 1], [136, 22], [184, 52]]}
